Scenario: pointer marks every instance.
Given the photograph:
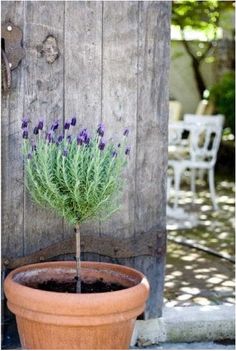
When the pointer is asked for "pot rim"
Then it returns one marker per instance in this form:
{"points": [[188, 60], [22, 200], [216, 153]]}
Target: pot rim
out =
{"points": [[49, 302]]}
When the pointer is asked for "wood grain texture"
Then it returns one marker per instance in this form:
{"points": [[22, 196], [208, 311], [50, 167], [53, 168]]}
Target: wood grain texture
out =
{"points": [[112, 64], [43, 98], [12, 164], [119, 99], [83, 43], [152, 140]]}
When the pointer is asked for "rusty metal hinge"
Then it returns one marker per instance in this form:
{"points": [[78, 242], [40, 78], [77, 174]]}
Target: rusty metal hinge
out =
{"points": [[12, 52]]}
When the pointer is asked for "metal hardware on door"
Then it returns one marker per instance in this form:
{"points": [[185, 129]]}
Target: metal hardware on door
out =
{"points": [[12, 52]]}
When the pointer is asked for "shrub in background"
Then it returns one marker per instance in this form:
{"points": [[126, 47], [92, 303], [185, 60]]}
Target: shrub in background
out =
{"points": [[223, 96]]}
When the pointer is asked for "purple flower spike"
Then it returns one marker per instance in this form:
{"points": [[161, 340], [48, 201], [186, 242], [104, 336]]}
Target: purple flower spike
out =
{"points": [[25, 122], [101, 129], [36, 130], [69, 139], [65, 153], [55, 125], [80, 139], [126, 132], [34, 148], [127, 151], [60, 138], [40, 124], [29, 156], [114, 153], [102, 145], [67, 125], [25, 134], [49, 136], [118, 145], [73, 121]]}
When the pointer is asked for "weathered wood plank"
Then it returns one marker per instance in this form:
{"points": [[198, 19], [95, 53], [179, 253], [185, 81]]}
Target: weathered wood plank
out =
{"points": [[152, 140], [43, 77], [105, 245], [83, 43], [119, 99], [12, 166]]}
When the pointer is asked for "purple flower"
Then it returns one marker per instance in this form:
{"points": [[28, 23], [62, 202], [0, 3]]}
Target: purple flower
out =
{"points": [[73, 121], [126, 132], [127, 151], [80, 139], [34, 148], [25, 122], [25, 134], [118, 145], [69, 139], [40, 124], [36, 130], [60, 138], [83, 137], [55, 125], [49, 136], [29, 156], [67, 125], [101, 129], [65, 153], [102, 145], [114, 154]]}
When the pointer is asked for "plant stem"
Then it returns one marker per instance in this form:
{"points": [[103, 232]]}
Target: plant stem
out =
{"points": [[78, 266]]}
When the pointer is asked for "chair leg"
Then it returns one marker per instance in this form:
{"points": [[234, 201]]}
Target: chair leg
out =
{"points": [[177, 176], [193, 180], [212, 187]]}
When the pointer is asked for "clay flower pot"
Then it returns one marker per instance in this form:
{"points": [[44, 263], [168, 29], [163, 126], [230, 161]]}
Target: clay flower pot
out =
{"points": [[54, 321]]}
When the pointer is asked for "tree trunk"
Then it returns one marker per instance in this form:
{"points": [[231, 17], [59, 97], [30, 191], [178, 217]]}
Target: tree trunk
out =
{"points": [[198, 77], [78, 266]]}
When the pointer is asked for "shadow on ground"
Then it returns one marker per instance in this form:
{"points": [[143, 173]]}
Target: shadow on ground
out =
{"points": [[194, 277]]}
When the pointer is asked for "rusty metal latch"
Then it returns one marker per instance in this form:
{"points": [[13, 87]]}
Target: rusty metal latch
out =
{"points": [[12, 52]]}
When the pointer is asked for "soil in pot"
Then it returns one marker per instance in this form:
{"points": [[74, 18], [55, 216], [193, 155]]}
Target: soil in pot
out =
{"points": [[98, 286]]}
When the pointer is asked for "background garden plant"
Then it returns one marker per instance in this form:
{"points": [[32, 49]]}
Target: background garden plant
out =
{"points": [[78, 175]]}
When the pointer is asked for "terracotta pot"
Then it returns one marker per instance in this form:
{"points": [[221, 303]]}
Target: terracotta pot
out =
{"points": [[62, 321]]}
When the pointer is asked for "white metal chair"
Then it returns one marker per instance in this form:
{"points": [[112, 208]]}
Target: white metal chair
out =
{"points": [[175, 109], [204, 141]]}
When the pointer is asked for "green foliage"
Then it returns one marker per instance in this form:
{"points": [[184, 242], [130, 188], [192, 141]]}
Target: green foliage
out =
{"points": [[200, 15], [223, 96], [80, 182]]}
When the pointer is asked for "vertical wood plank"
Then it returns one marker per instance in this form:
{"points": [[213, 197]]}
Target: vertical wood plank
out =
{"points": [[152, 139], [12, 165], [43, 98], [83, 43], [119, 102]]}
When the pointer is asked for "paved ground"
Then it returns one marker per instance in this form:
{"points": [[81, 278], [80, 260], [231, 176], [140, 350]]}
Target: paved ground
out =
{"points": [[190, 346], [194, 277]]}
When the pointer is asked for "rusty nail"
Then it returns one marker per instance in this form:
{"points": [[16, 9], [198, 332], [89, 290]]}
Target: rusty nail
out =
{"points": [[9, 28]]}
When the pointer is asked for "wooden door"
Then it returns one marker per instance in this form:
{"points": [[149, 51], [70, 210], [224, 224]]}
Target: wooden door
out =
{"points": [[100, 61]]}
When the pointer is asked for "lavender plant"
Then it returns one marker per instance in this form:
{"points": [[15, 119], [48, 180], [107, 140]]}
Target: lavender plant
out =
{"points": [[79, 175]]}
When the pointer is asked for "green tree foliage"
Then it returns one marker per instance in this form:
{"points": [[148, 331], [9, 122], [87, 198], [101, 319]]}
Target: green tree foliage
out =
{"points": [[203, 16], [223, 96]]}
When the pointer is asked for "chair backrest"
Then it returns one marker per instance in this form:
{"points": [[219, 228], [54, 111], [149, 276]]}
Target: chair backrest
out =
{"points": [[205, 138], [175, 109], [204, 119], [204, 107]]}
